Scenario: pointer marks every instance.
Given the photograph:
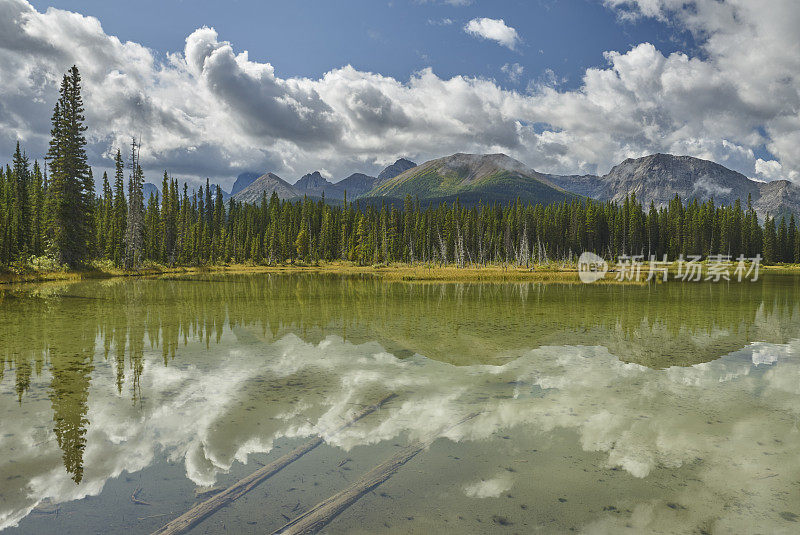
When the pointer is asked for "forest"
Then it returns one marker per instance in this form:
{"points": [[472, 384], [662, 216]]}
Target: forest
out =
{"points": [[52, 211]]}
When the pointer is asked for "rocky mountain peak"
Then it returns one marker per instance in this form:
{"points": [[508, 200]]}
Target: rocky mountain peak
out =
{"points": [[242, 181], [311, 181], [395, 169]]}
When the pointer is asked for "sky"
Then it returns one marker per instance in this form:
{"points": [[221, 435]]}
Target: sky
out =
{"points": [[576, 86]]}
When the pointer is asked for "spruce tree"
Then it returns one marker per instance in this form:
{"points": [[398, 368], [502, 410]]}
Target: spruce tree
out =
{"points": [[120, 213], [70, 196], [770, 241], [21, 218], [37, 209], [782, 246]]}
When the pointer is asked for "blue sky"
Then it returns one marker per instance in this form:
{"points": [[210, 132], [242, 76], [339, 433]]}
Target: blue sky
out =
{"points": [[396, 38], [213, 89]]}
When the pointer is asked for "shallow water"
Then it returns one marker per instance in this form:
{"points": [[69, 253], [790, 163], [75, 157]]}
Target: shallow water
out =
{"points": [[664, 408]]}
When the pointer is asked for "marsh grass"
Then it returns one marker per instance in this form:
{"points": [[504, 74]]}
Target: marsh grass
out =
{"points": [[42, 269]]}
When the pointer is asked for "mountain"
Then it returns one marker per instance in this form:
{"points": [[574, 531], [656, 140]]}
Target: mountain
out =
{"points": [[395, 169], [778, 198], [149, 189], [242, 181], [312, 181], [314, 185], [356, 184], [470, 178], [267, 184], [583, 185], [659, 177]]}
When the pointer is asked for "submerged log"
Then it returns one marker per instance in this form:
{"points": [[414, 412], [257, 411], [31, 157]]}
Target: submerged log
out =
{"points": [[205, 509], [321, 514], [135, 498]]}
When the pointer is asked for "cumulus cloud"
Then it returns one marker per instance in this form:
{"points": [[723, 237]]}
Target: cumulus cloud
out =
{"points": [[208, 415], [769, 169], [210, 110], [494, 30]]}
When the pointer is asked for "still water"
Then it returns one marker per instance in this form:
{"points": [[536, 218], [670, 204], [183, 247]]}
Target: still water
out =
{"points": [[669, 408]]}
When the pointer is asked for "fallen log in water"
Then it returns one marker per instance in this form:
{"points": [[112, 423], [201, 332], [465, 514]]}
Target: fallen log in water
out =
{"points": [[203, 510], [321, 514]]}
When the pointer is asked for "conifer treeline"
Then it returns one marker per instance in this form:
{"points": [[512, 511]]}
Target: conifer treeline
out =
{"points": [[63, 218], [195, 228]]}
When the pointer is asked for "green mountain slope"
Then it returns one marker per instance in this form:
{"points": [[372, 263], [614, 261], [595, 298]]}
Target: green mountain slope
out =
{"points": [[470, 178]]}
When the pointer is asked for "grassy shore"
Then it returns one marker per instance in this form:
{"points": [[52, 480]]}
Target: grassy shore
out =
{"points": [[551, 272], [393, 272]]}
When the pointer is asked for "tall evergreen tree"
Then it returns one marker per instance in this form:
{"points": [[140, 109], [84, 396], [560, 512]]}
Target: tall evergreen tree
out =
{"points": [[37, 209], [120, 212], [770, 241], [21, 216], [70, 196]]}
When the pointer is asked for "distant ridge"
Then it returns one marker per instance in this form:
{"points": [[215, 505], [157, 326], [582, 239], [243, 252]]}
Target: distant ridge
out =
{"points": [[266, 184], [315, 185], [357, 184]]}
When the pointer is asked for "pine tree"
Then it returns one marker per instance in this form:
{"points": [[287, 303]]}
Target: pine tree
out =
{"points": [[37, 197], [797, 247], [782, 245], [104, 218], [70, 189], [770, 241], [21, 215], [116, 242]]}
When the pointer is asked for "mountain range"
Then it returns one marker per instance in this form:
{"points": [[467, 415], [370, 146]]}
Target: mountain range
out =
{"points": [[657, 178], [250, 187], [471, 178]]}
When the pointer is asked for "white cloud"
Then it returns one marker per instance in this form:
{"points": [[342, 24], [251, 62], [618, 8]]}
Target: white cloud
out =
{"points": [[489, 488], [494, 30], [513, 71], [769, 169], [205, 417], [209, 110], [440, 22]]}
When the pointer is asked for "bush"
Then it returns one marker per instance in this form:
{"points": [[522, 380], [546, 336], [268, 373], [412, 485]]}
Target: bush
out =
{"points": [[103, 265], [45, 264]]}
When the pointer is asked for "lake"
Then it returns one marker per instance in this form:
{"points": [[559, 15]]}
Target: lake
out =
{"points": [[593, 408]]}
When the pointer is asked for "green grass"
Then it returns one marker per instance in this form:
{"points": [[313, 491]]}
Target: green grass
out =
{"points": [[563, 272]]}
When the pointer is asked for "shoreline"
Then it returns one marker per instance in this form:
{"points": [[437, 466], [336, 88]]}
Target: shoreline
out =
{"points": [[391, 273], [397, 272]]}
